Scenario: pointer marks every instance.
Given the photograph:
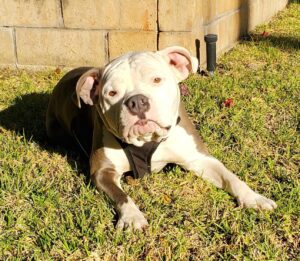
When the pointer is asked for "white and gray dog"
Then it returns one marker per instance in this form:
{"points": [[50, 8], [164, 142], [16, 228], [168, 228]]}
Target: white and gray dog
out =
{"points": [[128, 116]]}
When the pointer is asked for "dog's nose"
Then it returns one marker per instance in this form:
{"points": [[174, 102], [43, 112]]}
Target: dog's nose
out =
{"points": [[138, 104]]}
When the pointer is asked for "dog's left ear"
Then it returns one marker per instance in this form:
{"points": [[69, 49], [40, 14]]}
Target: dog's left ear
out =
{"points": [[87, 87], [180, 60]]}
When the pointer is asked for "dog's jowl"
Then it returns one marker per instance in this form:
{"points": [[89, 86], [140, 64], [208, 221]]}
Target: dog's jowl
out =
{"points": [[127, 116]]}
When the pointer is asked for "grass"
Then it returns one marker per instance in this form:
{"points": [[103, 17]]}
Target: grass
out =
{"points": [[50, 211]]}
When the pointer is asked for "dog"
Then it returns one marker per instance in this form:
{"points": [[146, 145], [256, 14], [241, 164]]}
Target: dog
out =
{"points": [[128, 116]]}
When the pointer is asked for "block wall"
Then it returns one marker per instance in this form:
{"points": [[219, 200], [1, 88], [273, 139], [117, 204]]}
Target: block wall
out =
{"points": [[42, 33]]}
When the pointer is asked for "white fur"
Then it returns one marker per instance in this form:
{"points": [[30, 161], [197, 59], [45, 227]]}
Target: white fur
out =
{"points": [[134, 74], [114, 153], [131, 216]]}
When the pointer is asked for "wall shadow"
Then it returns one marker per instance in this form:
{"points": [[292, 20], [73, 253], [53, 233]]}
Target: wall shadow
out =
{"points": [[244, 19], [26, 116], [279, 41]]}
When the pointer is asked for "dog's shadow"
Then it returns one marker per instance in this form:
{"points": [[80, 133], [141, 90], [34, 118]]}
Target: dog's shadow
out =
{"points": [[27, 115]]}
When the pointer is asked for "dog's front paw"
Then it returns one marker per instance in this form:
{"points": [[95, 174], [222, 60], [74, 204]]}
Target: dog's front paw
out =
{"points": [[131, 217], [257, 201]]}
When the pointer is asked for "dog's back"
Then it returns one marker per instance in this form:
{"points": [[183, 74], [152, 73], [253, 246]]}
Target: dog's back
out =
{"points": [[63, 116]]}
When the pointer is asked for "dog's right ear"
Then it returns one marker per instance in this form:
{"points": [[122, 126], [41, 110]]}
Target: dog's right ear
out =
{"points": [[87, 87]]}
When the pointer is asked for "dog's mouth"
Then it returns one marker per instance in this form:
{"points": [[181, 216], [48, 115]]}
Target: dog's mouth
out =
{"points": [[144, 130]]}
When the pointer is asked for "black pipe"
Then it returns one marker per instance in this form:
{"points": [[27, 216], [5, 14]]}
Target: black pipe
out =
{"points": [[197, 43], [211, 52]]}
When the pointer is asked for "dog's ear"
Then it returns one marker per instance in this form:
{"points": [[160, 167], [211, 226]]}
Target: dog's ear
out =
{"points": [[180, 60], [87, 87]]}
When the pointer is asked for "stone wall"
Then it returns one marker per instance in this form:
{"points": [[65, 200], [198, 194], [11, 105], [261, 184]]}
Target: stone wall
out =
{"points": [[37, 33]]}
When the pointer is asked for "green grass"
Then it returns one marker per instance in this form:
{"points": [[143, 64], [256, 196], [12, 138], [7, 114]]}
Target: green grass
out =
{"points": [[50, 211]]}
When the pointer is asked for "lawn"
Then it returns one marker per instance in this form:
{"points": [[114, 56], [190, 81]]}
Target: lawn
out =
{"points": [[51, 211]]}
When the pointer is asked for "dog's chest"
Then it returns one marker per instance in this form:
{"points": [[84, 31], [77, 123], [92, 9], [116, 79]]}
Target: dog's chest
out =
{"points": [[168, 151], [162, 156]]}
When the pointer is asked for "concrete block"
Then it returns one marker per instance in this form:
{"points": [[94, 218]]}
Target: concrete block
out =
{"points": [[138, 15], [60, 47], [255, 15], [224, 6], [267, 9], [224, 28], [186, 40], [228, 29], [234, 28], [209, 10], [122, 42], [7, 51], [177, 15], [91, 14], [30, 13], [282, 4]]}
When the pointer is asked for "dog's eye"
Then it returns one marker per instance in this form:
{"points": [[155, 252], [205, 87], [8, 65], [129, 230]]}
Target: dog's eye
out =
{"points": [[157, 80], [112, 93]]}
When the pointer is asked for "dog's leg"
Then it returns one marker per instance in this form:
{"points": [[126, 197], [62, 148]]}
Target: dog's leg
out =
{"points": [[107, 179], [190, 152], [214, 171]]}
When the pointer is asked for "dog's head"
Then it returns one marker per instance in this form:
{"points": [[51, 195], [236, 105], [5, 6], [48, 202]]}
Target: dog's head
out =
{"points": [[137, 95]]}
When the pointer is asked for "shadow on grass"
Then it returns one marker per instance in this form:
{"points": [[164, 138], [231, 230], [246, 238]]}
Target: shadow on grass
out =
{"points": [[26, 116], [281, 42], [294, 1]]}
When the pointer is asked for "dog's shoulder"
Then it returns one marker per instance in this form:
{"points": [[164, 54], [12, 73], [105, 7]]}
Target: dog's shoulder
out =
{"points": [[71, 77]]}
